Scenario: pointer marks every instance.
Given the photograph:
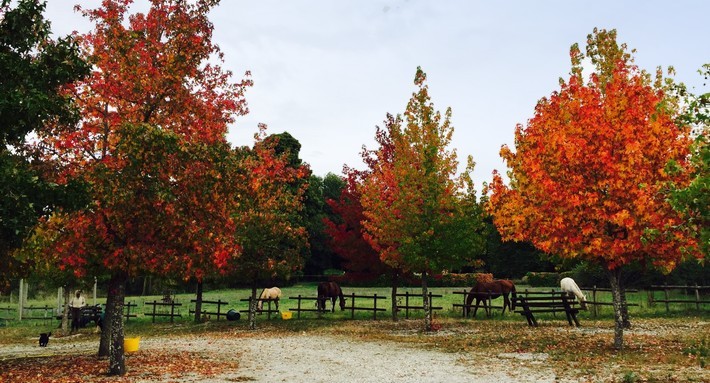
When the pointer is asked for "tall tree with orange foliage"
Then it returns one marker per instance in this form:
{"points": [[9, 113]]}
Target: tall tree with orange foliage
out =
{"points": [[410, 202], [154, 75], [270, 197], [588, 169], [347, 235]]}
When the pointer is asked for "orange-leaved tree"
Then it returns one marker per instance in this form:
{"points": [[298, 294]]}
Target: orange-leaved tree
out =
{"points": [[347, 235], [154, 75], [410, 202], [587, 171], [270, 197]]}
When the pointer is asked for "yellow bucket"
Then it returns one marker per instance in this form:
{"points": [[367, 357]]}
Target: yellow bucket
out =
{"points": [[286, 315], [131, 344]]}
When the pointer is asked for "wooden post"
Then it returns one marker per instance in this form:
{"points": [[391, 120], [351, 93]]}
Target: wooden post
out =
{"points": [[95, 285], [697, 297], [154, 306], [595, 307], [19, 300], [352, 306], [60, 294], [219, 304], [374, 312], [431, 312], [406, 304], [299, 307], [665, 292], [650, 297], [172, 311]]}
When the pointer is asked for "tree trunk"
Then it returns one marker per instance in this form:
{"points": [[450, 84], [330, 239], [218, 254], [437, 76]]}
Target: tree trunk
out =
{"points": [[626, 323], [65, 311], [198, 303], [252, 308], [616, 300], [116, 362], [394, 296], [108, 322], [425, 297]]}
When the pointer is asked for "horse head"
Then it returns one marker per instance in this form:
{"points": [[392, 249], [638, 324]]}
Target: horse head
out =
{"points": [[342, 302]]}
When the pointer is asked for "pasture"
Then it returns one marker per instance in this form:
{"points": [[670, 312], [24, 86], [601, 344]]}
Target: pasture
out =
{"points": [[661, 347]]}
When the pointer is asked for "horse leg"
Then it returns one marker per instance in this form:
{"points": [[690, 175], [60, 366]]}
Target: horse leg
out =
{"points": [[277, 304], [506, 302], [475, 309]]}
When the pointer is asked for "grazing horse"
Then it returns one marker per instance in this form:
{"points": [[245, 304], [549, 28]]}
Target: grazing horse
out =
{"points": [[569, 286], [329, 290], [493, 289], [269, 293]]}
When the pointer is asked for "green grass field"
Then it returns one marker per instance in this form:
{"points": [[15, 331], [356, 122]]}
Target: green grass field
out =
{"points": [[235, 299]]}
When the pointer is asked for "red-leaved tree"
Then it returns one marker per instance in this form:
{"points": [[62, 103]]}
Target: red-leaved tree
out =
{"points": [[587, 173], [155, 81]]}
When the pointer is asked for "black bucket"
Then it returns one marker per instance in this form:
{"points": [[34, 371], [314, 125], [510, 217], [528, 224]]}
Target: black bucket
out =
{"points": [[233, 315]]}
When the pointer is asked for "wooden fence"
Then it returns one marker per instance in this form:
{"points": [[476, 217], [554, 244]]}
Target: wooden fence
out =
{"points": [[268, 310], [156, 304], [219, 303], [666, 288], [299, 308], [127, 310], [408, 307], [597, 304], [463, 306], [374, 307]]}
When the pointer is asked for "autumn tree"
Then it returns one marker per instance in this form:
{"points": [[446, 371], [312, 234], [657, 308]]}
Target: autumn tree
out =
{"points": [[35, 70], [271, 244], [155, 74], [587, 171], [409, 202], [693, 200]]}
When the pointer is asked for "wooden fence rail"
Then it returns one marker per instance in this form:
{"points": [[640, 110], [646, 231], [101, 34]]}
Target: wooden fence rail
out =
{"points": [[596, 303], [374, 309], [268, 310], [300, 309], [408, 307], [464, 307], [219, 303], [127, 310], [665, 288], [154, 314]]}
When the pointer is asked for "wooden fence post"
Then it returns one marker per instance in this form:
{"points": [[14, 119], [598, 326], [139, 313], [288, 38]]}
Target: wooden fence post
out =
{"points": [[172, 311], [374, 312], [595, 307], [665, 292], [406, 304], [697, 297], [299, 307], [352, 305], [19, 301]]}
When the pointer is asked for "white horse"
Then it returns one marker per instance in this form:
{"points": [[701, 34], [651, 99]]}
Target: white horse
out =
{"points": [[269, 293], [569, 286]]}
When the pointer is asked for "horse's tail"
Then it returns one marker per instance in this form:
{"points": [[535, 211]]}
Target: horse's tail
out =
{"points": [[513, 296]]}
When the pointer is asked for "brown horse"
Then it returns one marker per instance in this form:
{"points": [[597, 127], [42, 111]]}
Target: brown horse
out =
{"points": [[329, 290], [483, 290]]}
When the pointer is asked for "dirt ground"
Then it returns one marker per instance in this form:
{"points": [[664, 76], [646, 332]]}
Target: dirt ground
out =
{"points": [[262, 356], [315, 358]]}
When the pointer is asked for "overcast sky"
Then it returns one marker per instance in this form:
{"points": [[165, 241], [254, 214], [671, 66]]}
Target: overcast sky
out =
{"points": [[329, 71]]}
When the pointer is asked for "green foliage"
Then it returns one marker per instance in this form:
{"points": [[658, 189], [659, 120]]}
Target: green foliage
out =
{"points": [[542, 279], [35, 73]]}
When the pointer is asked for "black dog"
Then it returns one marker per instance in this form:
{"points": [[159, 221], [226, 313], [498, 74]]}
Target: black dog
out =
{"points": [[44, 339]]}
